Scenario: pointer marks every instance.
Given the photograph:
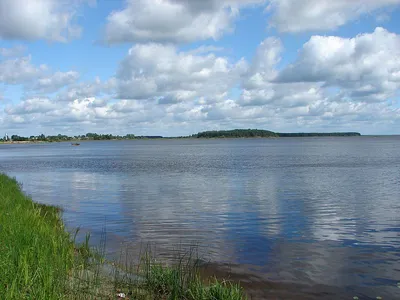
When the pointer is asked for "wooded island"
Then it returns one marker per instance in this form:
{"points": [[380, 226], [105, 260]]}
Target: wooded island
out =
{"points": [[257, 133]]}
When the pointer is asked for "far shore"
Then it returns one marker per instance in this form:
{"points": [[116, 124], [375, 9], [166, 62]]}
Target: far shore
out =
{"points": [[23, 142], [182, 138]]}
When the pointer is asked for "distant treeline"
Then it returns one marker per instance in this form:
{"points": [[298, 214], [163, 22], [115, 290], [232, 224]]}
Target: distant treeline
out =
{"points": [[257, 133], [307, 134], [236, 133], [64, 138]]}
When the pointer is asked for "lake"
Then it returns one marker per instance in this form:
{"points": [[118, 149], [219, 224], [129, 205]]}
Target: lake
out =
{"points": [[291, 218]]}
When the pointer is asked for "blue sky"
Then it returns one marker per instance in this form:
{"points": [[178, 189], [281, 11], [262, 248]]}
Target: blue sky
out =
{"points": [[175, 67]]}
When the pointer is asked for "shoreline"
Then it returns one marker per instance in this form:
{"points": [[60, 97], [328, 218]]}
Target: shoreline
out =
{"points": [[190, 138], [214, 134], [23, 142], [139, 275], [46, 263]]}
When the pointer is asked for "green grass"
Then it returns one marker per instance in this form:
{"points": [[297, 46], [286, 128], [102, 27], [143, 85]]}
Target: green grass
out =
{"points": [[173, 283], [36, 253], [180, 281], [39, 260]]}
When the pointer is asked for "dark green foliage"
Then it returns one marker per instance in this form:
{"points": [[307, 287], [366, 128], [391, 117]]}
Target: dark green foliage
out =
{"points": [[257, 133], [236, 133], [149, 137], [19, 138]]}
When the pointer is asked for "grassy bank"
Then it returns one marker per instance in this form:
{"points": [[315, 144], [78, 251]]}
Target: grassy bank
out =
{"points": [[36, 253], [39, 260]]}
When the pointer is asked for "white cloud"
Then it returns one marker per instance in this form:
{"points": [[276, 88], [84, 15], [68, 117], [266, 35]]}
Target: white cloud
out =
{"points": [[172, 20], [19, 70], [334, 84], [263, 68], [45, 109], [319, 15], [259, 87], [160, 71], [13, 51], [147, 117], [282, 95], [39, 19], [364, 68], [41, 79], [206, 49], [191, 20], [31, 106], [91, 89], [88, 114], [56, 81]]}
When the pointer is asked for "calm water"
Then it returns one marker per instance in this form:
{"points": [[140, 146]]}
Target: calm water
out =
{"points": [[312, 217]]}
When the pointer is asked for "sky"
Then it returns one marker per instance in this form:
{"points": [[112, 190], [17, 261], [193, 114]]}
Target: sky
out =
{"points": [[176, 67]]}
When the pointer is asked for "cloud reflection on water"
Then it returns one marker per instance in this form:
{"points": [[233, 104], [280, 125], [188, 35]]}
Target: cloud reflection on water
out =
{"points": [[316, 211]]}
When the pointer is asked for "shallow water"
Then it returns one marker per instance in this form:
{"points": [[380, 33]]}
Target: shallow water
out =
{"points": [[289, 217]]}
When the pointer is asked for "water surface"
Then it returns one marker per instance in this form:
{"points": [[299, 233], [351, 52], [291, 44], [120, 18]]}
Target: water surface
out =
{"points": [[291, 217]]}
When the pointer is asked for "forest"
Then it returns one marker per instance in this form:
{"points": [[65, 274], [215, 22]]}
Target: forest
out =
{"points": [[257, 133]]}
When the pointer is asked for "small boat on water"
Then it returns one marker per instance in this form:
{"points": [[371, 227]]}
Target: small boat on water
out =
{"points": [[75, 144]]}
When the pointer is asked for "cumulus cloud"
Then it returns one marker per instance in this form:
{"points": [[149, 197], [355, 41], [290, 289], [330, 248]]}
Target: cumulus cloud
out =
{"points": [[282, 95], [13, 51], [263, 68], [146, 117], [19, 70], [80, 110], [89, 113], [55, 81], [31, 106], [160, 71], [40, 19], [334, 84], [172, 20], [364, 68], [187, 21], [81, 90], [299, 15], [260, 88]]}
